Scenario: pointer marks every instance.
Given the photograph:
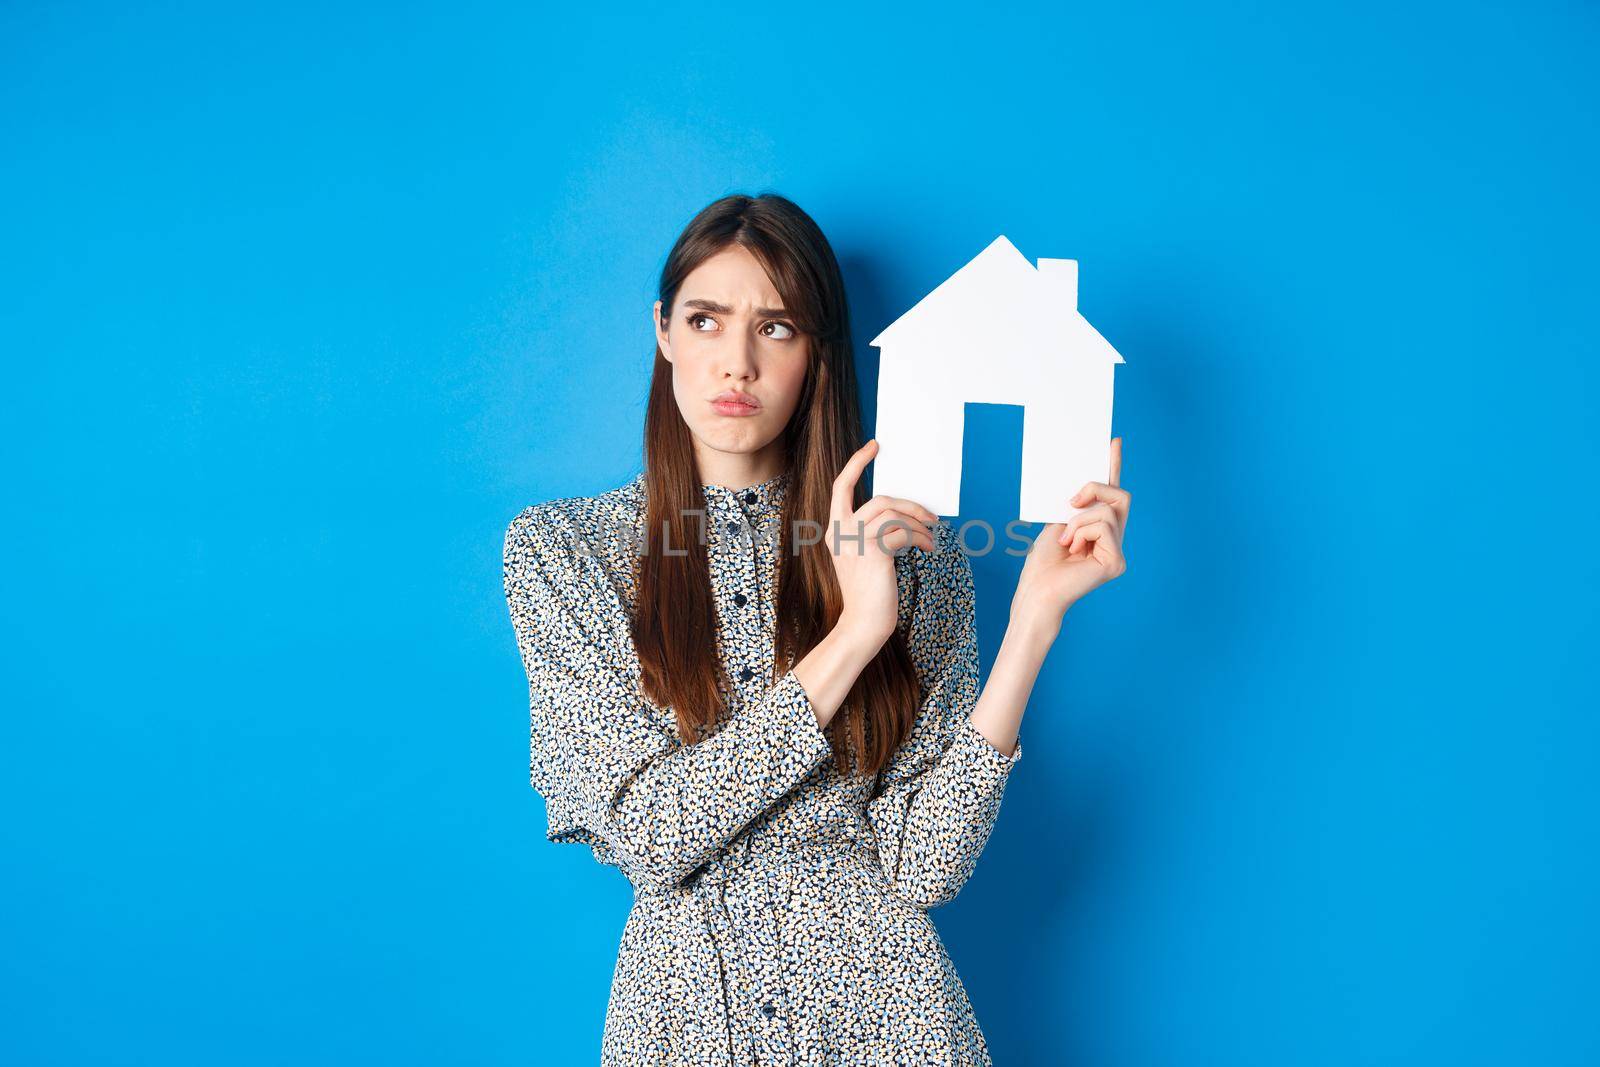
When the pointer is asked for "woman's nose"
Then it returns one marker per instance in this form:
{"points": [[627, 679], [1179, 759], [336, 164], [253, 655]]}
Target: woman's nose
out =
{"points": [[738, 357]]}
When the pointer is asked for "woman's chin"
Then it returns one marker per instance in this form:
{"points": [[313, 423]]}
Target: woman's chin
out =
{"points": [[739, 439]]}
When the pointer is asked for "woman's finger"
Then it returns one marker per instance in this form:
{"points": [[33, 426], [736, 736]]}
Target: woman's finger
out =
{"points": [[1107, 551], [844, 484], [1087, 534], [1119, 499], [1116, 461], [1089, 514], [894, 530], [879, 504]]}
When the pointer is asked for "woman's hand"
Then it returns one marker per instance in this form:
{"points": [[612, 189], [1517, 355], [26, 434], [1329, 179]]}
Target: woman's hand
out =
{"points": [[1069, 559], [864, 542]]}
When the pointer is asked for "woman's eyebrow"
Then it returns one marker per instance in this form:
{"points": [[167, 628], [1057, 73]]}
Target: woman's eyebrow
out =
{"points": [[724, 309]]}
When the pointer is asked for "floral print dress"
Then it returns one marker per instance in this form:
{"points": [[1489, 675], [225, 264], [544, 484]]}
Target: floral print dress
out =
{"points": [[780, 912]]}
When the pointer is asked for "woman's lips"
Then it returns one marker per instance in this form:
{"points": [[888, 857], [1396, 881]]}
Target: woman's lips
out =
{"points": [[735, 404]]}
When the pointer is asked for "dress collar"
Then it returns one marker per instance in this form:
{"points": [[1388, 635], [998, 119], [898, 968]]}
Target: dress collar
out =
{"points": [[768, 496], [756, 502]]}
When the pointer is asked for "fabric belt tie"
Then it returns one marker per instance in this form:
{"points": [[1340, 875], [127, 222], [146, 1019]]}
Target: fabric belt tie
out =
{"points": [[771, 868]]}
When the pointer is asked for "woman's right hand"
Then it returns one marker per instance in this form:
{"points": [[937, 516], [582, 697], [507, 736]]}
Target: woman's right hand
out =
{"points": [[864, 542]]}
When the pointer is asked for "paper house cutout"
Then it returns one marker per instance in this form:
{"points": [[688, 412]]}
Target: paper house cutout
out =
{"points": [[997, 331]]}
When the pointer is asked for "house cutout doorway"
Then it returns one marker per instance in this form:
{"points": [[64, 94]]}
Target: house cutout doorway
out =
{"points": [[991, 481], [991, 467]]}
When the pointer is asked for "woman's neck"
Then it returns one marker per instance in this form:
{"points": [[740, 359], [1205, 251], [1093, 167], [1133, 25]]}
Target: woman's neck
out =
{"points": [[739, 470]]}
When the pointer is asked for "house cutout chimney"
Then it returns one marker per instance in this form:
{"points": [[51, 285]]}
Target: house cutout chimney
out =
{"points": [[1061, 275]]}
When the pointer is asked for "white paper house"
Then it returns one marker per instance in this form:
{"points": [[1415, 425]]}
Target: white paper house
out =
{"points": [[997, 331]]}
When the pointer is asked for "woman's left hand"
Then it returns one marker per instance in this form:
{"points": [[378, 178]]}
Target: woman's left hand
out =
{"points": [[1069, 559]]}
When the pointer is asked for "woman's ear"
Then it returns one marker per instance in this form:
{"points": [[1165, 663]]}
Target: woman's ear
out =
{"points": [[661, 332]]}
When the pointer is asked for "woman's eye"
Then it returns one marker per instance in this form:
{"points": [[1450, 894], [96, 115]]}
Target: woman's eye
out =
{"points": [[789, 330], [696, 318]]}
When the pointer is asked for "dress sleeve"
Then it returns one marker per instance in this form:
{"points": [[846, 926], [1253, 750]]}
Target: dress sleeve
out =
{"points": [[613, 775], [938, 798]]}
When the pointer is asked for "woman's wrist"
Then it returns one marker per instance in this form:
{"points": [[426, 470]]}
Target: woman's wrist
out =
{"points": [[861, 634], [1004, 697], [1033, 622], [829, 671]]}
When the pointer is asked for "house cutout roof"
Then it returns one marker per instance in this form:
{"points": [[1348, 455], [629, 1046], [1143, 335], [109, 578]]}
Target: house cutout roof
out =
{"points": [[1000, 302]]}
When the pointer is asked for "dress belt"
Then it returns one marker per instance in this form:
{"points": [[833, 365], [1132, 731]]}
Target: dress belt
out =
{"points": [[740, 862]]}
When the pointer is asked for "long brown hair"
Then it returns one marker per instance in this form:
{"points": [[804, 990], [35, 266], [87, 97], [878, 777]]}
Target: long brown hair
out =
{"points": [[674, 623]]}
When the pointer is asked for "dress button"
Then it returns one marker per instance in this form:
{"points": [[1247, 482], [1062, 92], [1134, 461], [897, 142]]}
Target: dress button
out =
{"points": [[745, 674], [733, 529], [740, 599], [750, 498], [769, 1009]]}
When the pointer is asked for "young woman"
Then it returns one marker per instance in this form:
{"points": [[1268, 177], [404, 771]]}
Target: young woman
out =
{"points": [[755, 691]]}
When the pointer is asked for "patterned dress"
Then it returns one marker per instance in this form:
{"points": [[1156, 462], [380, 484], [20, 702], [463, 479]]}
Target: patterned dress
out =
{"points": [[780, 912]]}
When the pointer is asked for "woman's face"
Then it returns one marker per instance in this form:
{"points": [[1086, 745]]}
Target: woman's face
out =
{"points": [[738, 364]]}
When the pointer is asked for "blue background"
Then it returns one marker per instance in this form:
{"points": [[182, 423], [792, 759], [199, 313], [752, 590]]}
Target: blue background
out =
{"points": [[299, 307]]}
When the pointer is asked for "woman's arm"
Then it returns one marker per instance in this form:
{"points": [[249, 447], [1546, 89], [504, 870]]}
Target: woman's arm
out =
{"points": [[938, 799], [1067, 561], [829, 671], [617, 778], [998, 713]]}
